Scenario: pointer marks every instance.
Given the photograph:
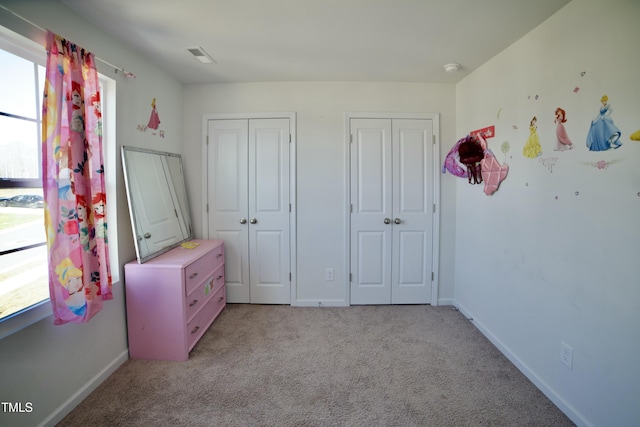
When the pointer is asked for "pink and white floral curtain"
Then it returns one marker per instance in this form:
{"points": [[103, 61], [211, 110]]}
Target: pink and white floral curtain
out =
{"points": [[73, 184]]}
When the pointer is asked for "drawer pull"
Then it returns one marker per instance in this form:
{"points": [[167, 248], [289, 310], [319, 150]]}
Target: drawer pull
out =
{"points": [[195, 301], [220, 299], [219, 277], [193, 275], [195, 330], [218, 256]]}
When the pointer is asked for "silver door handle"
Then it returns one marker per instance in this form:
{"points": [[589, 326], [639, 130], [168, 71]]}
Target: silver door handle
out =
{"points": [[147, 235], [253, 221], [243, 220], [387, 221], [397, 221]]}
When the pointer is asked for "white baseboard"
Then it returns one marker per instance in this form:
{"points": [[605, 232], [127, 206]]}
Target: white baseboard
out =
{"points": [[567, 409], [445, 301], [85, 391], [319, 303], [342, 303]]}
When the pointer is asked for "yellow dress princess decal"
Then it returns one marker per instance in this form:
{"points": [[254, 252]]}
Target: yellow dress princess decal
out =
{"points": [[532, 148]]}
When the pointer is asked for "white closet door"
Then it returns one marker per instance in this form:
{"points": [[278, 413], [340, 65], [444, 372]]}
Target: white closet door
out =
{"points": [[269, 211], [412, 211], [371, 216], [248, 196], [228, 201], [391, 211]]}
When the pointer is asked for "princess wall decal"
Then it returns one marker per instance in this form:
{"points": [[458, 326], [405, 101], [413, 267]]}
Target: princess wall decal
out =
{"points": [[154, 122], [603, 133], [532, 148], [563, 141]]}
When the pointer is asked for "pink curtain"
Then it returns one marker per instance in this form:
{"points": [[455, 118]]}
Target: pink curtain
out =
{"points": [[73, 184]]}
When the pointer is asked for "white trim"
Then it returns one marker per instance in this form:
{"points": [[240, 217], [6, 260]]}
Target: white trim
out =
{"points": [[435, 250], [110, 159], [83, 392], [567, 409], [22, 46], [24, 318], [204, 196], [293, 254], [347, 205], [435, 262]]}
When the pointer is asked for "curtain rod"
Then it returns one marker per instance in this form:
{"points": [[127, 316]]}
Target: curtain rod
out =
{"points": [[116, 68]]}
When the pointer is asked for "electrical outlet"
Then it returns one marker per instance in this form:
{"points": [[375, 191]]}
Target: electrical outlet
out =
{"points": [[328, 275], [566, 355]]}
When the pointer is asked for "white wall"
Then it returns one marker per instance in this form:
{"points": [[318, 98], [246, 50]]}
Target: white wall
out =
{"points": [[53, 367], [553, 256], [321, 185]]}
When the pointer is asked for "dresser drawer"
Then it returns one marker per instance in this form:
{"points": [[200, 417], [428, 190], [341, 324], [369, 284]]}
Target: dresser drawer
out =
{"points": [[218, 279], [203, 292], [196, 273], [196, 299], [204, 318]]}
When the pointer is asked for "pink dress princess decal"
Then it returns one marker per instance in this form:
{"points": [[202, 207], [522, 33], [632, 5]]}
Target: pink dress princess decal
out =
{"points": [[564, 143], [154, 120]]}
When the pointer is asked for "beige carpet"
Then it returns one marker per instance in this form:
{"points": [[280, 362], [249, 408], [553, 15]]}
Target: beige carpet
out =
{"points": [[349, 366]]}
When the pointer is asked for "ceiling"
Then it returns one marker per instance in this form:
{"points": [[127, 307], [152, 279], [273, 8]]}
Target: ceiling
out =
{"points": [[317, 40]]}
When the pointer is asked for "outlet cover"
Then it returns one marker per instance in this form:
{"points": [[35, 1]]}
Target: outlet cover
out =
{"points": [[328, 274], [566, 355]]}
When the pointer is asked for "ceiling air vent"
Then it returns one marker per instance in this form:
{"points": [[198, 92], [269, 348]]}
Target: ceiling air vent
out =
{"points": [[201, 55]]}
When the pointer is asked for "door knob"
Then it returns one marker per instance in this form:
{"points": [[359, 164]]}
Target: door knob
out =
{"points": [[147, 235], [397, 221], [243, 220], [253, 220], [387, 221]]}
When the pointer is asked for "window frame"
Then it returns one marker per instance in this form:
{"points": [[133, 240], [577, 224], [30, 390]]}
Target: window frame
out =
{"points": [[28, 50], [35, 52]]}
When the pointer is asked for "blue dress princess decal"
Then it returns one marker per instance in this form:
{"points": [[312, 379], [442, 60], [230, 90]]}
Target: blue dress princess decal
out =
{"points": [[603, 134]]}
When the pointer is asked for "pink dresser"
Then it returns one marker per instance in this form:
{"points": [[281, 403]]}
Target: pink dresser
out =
{"points": [[173, 299]]}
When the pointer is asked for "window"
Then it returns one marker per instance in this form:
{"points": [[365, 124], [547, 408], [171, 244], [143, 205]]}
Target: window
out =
{"points": [[23, 265], [24, 288]]}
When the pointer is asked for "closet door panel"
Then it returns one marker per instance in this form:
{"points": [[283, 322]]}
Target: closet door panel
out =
{"points": [[236, 270], [411, 253], [228, 201], [412, 211], [372, 274], [371, 205], [269, 211]]}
